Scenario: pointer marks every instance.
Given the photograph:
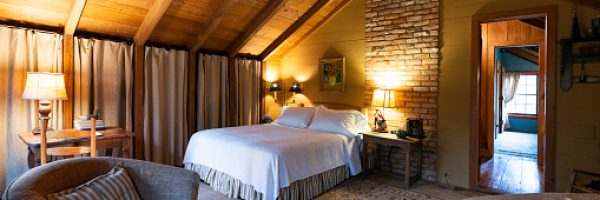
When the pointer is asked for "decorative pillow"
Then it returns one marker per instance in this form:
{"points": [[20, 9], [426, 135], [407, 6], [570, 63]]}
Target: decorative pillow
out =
{"points": [[298, 117], [346, 122], [115, 184]]}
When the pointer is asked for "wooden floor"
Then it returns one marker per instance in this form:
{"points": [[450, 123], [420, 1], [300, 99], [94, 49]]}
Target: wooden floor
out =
{"points": [[510, 174], [514, 167]]}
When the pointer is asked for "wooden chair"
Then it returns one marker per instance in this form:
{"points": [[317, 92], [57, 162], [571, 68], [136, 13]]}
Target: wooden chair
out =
{"points": [[67, 151], [577, 186]]}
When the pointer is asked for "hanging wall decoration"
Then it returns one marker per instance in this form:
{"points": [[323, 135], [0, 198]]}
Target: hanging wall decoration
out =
{"points": [[332, 74]]}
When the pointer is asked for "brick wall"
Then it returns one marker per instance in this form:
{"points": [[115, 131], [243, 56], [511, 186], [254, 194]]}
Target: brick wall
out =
{"points": [[402, 52]]}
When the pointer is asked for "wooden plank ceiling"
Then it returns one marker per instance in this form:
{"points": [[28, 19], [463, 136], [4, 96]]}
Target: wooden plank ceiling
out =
{"points": [[215, 26]]}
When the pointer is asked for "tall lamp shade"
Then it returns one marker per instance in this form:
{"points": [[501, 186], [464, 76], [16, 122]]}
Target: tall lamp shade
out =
{"points": [[45, 86], [384, 98]]}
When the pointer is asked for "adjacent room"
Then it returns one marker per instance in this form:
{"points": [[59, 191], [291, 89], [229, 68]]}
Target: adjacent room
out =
{"points": [[299, 99]]}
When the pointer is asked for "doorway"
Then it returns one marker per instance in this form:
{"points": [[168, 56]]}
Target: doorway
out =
{"points": [[513, 166], [512, 129]]}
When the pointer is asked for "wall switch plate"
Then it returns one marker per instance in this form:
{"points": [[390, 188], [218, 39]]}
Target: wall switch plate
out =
{"points": [[585, 132]]}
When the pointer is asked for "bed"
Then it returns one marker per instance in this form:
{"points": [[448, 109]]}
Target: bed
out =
{"points": [[300, 156]]}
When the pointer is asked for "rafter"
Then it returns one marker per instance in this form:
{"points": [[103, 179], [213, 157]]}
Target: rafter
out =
{"points": [[593, 4], [215, 20], [525, 54], [313, 29], [290, 30], [74, 16], [151, 20], [257, 23]]}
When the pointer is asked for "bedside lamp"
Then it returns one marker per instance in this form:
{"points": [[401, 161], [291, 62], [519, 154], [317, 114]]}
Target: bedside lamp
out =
{"points": [[44, 87], [383, 98], [275, 88], [295, 88]]}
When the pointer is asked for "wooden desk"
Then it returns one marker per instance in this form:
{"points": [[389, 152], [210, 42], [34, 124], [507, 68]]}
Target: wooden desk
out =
{"points": [[112, 137], [408, 145]]}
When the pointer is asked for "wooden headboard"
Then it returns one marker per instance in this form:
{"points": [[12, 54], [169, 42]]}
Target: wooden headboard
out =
{"points": [[337, 106]]}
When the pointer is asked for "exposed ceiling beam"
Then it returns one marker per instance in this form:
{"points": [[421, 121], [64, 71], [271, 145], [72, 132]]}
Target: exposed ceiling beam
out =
{"points": [[535, 22], [315, 28], [257, 23], [593, 4], [151, 20], [524, 54], [290, 30], [216, 18], [74, 16]]}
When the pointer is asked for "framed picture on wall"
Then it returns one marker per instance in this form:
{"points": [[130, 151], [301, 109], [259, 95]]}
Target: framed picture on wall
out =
{"points": [[332, 75]]}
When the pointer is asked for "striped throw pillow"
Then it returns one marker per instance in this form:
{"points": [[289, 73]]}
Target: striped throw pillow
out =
{"points": [[116, 184]]}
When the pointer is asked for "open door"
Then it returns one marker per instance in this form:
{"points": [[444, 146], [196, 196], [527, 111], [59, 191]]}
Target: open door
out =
{"points": [[504, 29], [523, 39]]}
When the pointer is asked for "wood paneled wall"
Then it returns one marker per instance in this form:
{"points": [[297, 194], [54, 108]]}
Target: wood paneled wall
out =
{"points": [[498, 34]]}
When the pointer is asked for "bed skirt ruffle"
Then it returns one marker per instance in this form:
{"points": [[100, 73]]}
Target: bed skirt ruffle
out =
{"points": [[299, 190]]}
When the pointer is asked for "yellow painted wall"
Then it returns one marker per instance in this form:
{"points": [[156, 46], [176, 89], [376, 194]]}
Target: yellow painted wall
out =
{"points": [[576, 108], [272, 74], [342, 36]]}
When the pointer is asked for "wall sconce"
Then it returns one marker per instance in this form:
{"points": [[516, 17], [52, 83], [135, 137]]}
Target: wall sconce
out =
{"points": [[383, 98], [275, 88], [295, 88]]}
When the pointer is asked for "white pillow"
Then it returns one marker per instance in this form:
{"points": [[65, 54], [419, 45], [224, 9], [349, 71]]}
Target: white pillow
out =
{"points": [[298, 117], [345, 122]]}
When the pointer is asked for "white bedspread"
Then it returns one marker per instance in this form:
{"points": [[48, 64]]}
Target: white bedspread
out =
{"points": [[270, 157]]}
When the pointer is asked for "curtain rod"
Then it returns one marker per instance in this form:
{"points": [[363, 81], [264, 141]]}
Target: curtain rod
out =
{"points": [[212, 52], [32, 26], [166, 46], [98, 36]]}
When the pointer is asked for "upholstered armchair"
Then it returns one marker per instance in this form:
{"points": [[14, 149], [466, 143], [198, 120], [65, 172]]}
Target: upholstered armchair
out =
{"points": [[152, 180]]}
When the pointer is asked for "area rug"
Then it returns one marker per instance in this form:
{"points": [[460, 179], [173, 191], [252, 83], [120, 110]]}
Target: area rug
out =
{"points": [[365, 189], [514, 143]]}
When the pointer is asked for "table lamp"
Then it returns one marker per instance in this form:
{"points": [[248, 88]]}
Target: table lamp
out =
{"points": [[383, 98], [44, 87]]}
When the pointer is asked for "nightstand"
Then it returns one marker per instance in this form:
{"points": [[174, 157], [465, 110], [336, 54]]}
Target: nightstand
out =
{"points": [[408, 145]]}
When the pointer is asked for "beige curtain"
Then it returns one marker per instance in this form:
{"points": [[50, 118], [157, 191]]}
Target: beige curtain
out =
{"points": [[213, 92], [103, 80], [510, 80], [21, 51], [248, 77], [165, 99]]}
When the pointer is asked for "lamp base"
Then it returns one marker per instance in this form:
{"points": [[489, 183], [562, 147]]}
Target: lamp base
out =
{"points": [[38, 130]]}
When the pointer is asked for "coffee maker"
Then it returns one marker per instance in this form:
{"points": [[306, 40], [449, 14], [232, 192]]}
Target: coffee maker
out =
{"points": [[414, 127]]}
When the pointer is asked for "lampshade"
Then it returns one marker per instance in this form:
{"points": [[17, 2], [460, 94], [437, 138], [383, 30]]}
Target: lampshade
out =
{"points": [[295, 88], [384, 98], [45, 86], [274, 87]]}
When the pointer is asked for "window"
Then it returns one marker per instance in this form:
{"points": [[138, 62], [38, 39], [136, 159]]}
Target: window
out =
{"points": [[525, 100]]}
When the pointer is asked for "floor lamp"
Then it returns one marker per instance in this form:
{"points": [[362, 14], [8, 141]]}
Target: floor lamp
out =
{"points": [[44, 87]]}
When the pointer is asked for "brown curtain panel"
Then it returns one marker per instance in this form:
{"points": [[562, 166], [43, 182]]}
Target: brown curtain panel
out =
{"points": [[213, 92], [165, 99], [103, 80], [22, 51], [248, 77]]}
